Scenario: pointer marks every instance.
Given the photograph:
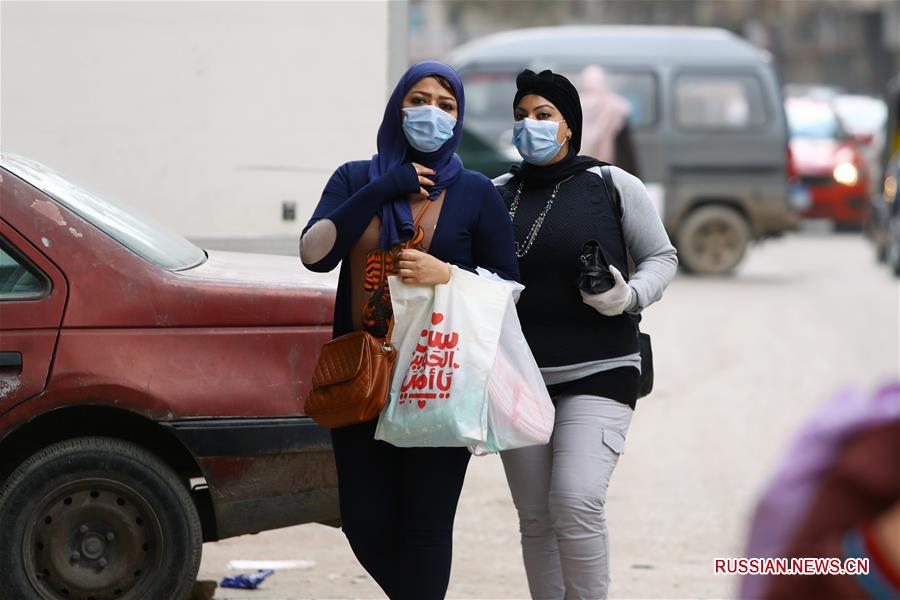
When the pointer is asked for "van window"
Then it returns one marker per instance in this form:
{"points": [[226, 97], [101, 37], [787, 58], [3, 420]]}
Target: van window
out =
{"points": [[709, 101], [639, 89], [489, 94]]}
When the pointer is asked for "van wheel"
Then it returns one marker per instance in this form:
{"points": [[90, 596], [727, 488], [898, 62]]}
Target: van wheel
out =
{"points": [[712, 240], [97, 518]]}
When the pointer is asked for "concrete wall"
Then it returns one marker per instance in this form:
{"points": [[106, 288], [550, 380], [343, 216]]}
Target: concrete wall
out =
{"points": [[207, 115]]}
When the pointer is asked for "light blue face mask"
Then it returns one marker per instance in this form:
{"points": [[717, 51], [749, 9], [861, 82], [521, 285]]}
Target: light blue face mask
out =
{"points": [[536, 140], [427, 128]]}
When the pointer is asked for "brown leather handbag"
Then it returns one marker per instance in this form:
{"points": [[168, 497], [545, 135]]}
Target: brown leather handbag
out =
{"points": [[352, 378]]}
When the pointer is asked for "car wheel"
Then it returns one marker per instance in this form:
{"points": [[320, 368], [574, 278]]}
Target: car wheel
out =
{"points": [[97, 518], [712, 240]]}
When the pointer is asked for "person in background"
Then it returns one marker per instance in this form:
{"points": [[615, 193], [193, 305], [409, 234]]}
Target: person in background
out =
{"points": [[398, 504], [837, 495], [586, 344], [606, 132]]}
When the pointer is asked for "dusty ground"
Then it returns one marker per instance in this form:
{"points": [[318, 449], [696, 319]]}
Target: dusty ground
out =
{"points": [[740, 363]]}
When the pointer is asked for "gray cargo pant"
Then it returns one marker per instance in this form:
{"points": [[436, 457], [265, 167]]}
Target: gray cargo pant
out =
{"points": [[560, 491]]}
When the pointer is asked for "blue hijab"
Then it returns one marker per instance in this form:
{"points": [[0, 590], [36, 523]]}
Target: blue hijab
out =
{"points": [[393, 149]]}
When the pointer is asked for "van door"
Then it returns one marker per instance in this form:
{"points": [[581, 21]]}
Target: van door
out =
{"points": [[728, 141], [32, 299]]}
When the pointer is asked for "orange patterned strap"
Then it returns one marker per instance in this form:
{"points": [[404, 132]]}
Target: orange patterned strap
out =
{"points": [[419, 215]]}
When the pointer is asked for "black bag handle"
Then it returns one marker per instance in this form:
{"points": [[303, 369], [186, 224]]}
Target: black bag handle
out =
{"points": [[615, 200]]}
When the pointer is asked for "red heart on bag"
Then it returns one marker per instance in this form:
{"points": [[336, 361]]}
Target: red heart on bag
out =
{"points": [[436, 318], [421, 404]]}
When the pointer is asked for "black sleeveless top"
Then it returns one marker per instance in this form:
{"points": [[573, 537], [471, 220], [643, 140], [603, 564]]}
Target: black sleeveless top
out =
{"points": [[560, 328]]}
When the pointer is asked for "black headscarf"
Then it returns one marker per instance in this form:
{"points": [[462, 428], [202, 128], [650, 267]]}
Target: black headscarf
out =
{"points": [[560, 91]]}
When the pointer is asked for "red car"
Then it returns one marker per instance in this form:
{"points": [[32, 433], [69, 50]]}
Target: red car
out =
{"points": [[151, 396], [827, 164]]}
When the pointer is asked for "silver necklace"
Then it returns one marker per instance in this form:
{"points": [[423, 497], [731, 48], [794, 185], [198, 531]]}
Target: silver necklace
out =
{"points": [[536, 226]]}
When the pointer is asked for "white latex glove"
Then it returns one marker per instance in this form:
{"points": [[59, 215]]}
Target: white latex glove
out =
{"points": [[613, 301]]}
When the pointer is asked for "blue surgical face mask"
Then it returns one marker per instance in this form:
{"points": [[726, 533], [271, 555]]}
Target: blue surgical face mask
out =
{"points": [[536, 140], [427, 128]]}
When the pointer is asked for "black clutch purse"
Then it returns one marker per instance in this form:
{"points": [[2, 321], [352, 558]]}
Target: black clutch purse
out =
{"points": [[595, 276]]}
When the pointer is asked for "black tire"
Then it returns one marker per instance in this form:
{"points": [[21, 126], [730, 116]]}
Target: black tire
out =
{"points": [[712, 240], [100, 518], [848, 227]]}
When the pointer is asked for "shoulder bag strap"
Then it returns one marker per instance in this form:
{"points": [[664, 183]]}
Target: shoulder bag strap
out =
{"points": [[615, 200], [418, 219]]}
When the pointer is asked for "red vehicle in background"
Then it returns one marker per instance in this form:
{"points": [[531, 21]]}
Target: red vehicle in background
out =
{"points": [[827, 163], [151, 396]]}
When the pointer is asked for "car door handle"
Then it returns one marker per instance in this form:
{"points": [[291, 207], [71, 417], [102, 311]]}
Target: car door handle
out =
{"points": [[10, 363]]}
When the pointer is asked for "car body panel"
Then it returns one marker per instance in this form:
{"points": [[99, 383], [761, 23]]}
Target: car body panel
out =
{"points": [[190, 372], [884, 200], [29, 327], [263, 473], [866, 116], [814, 161], [230, 343]]}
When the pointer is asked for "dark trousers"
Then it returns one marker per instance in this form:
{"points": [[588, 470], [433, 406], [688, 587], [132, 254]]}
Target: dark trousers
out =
{"points": [[397, 508]]}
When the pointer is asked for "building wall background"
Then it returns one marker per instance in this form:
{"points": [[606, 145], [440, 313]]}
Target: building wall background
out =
{"points": [[206, 115]]}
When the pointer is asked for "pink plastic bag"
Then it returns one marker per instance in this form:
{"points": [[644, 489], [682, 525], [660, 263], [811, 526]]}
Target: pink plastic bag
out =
{"points": [[520, 412]]}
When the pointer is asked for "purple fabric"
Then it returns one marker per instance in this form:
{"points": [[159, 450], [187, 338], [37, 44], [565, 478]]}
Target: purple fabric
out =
{"points": [[787, 497], [393, 150]]}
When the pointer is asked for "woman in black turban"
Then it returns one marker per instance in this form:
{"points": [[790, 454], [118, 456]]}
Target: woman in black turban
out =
{"points": [[585, 341]]}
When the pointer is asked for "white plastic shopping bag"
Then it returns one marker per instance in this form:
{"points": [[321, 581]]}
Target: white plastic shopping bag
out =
{"points": [[520, 412], [446, 338]]}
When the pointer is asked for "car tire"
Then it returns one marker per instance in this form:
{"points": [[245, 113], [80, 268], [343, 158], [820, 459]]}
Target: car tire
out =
{"points": [[97, 517], [712, 240], [847, 227]]}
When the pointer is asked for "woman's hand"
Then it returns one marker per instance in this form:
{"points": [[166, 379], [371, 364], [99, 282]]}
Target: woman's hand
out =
{"points": [[422, 172], [613, 301], [423, 269]]}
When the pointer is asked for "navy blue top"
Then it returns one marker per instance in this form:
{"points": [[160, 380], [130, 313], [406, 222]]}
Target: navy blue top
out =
{"points": [[473, 228]]}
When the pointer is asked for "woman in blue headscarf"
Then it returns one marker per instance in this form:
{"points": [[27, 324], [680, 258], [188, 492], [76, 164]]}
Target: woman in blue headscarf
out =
{"points": [[398, 504]]}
